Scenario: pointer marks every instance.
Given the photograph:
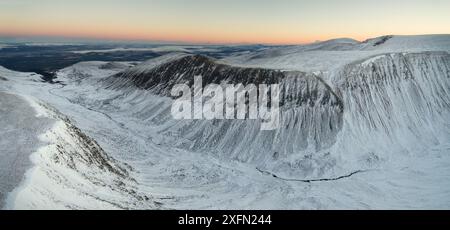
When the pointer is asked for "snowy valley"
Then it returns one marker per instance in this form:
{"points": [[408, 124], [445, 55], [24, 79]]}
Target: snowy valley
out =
{"points": [[364, 125]]}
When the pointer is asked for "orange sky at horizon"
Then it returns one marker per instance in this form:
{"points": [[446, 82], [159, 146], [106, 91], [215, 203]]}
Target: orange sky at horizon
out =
{"points": [[214, 21], [169, 37]]}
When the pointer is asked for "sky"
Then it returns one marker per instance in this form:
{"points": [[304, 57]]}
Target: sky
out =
{"points": [[223, 21]]}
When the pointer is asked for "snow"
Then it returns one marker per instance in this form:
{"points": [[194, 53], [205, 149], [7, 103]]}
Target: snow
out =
{"points": [[19, 129], [329, 55], [65, 187], [42, 44], [393, 129], [2, 46], [70, 171], [155, 62], [157, 49]]}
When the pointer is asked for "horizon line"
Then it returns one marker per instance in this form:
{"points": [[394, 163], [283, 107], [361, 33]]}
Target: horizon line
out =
{"points": [[82, 39]]}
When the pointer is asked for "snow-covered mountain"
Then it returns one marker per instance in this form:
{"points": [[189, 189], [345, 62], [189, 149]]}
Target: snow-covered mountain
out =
{"points": [[332, 54], [363, 125], [311, 112]]}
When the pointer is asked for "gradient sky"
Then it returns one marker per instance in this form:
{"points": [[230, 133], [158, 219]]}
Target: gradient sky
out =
{"points": [[223, 21]]}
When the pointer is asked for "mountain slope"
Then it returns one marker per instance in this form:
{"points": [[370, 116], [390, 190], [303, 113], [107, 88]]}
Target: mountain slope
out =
{"points": [[333, 54], [311, 113], [364, 125]]}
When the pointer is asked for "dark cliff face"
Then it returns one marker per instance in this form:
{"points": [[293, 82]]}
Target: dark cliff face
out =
{"points": [[182, 71], [296, 88], [311, 113]]}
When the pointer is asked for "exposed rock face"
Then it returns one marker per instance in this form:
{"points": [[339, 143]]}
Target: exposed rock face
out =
{"points": [[398, 100], [311, 113], [388, 98]]}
